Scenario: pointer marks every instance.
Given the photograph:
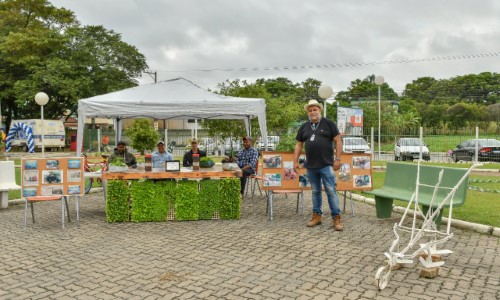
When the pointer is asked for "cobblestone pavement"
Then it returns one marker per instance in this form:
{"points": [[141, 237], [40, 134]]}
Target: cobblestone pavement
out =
{"points": [[250, 258]]}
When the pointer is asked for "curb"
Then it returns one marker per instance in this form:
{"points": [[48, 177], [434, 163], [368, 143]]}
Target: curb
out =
{"points": [[485, 229]]}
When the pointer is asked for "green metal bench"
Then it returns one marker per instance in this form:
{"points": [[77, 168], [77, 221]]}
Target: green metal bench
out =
{"points": [[400, 184]]}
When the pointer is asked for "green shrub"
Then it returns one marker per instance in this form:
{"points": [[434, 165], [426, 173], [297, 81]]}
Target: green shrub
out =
{"points": [[148, 202], [209, 198], [230, 198], [117, 206], [186, 200]]}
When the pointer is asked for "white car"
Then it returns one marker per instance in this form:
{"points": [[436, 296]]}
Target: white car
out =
{"points": [[409, 149], [272, 142], [354, 144]]}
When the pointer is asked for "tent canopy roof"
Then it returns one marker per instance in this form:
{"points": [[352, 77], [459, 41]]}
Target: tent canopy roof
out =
{"points": [[170, 99], [176, 98]]}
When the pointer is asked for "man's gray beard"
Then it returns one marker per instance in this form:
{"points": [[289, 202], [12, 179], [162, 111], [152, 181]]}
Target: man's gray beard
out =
{"points": [[319, 119]]}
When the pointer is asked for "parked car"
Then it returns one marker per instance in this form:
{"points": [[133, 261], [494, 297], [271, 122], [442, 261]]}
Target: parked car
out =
{"points": [[409, 149], [355, 144], [207, 144], [235, 144], [488, 150], [272, 143]]}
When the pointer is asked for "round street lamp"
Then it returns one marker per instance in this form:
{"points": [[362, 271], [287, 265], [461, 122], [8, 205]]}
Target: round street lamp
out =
{"points": [[325, 91], [379, 80], [41, 99]]}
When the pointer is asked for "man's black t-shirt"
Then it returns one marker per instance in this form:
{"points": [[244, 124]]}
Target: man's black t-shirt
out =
{"points": [[319, 151]]}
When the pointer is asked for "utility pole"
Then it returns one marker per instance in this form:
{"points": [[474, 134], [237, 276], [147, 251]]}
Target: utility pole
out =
{"points": [[153, 75]]}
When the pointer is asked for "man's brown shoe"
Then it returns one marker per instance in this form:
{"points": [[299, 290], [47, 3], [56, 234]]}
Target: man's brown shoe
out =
{"points": [[316, 220], [336, 223]]}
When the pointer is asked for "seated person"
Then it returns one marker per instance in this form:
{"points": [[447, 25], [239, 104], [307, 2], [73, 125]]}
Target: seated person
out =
{"points": [[122, 153], [247, 161], [187, 161], [161, 156]]}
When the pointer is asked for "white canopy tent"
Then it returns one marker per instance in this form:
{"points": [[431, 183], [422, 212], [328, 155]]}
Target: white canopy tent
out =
{"points": [[171, 99]]}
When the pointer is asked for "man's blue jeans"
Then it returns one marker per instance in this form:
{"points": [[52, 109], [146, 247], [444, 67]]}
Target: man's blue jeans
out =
{"points": [[325, 174]]}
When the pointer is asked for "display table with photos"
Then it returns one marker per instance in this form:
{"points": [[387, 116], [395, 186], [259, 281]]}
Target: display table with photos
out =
{"points": [[278, 174], [140, 196]]}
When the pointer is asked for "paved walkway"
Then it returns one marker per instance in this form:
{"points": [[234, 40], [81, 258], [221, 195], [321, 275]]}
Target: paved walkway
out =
{"points": [[250, 258]]}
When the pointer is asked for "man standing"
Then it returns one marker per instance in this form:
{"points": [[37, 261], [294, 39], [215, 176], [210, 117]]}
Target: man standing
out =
{"points": [[319, 135], [247, 161], [161, 156], [122, 153], [187, 161]]}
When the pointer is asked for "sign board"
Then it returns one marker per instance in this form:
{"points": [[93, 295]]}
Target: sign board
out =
{"points": [[52, 176], [350, 121], [278, 172]]}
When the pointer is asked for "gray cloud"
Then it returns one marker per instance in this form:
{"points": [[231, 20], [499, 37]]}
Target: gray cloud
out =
{"points": [[219, 34]]}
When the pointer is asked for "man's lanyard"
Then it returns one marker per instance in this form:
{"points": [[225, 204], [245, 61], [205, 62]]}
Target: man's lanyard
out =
{"points": [[314, 127]]}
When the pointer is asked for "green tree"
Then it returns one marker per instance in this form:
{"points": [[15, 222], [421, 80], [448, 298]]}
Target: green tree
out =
{"points": [[142, 134], [43, 48]]}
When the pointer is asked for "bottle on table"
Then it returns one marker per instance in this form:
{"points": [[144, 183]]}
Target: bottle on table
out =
{"points": [[148, 165], [196, 162]]}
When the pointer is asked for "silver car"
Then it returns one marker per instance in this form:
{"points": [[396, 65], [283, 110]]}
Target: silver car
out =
{"points": [[354, 144]]}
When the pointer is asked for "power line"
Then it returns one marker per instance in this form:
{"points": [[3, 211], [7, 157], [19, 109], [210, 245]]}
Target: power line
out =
{"points": [[344, 65]]}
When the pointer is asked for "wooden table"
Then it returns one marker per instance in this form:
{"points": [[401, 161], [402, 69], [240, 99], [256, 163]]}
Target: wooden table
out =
{"points": [[185, 173]]}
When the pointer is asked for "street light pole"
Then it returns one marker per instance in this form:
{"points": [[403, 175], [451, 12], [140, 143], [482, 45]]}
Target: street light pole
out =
{"points": [[379, 80], [41, 99], [325, 92]]}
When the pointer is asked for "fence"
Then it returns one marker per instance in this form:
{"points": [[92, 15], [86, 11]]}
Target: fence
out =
{"points": [[438, 142]]}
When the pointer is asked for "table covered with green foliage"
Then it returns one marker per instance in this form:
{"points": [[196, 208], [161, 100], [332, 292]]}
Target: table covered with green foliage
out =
{"points": [[167, 196]]}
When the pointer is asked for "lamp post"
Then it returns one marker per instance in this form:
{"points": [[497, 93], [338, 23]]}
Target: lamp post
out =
{"points": [[41, 99], [325, 92], [379, 80]]}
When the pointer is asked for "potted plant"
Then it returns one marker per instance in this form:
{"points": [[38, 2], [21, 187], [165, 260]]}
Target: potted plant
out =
{"points": [[206, 162]]}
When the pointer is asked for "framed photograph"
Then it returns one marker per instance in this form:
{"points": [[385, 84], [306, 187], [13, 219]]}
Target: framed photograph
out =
{"points": [[173, 166], [50, 190], [31, 164], [272, 180], [52, 176], [304, 181], [31, 178], [288, 171], [29, 192], [74, 189], [74, 176], [52, 164], [361, 162], [271, 161], [362, 181], [74, 163]]}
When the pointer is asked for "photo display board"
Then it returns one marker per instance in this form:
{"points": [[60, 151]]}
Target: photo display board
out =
{"points": [[52, 176], [278, 172]]}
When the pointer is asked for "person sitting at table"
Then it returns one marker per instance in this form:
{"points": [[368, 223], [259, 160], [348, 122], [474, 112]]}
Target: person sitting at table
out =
{"points": [[122, 153], [247, 161], [187, 161], [161, 156]]}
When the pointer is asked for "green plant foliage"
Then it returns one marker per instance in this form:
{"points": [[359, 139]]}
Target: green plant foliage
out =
{"points": [[142, 134], [209, 198], [148, 202], [186, 200], [169, 190], [229, 208], [117, 206]]}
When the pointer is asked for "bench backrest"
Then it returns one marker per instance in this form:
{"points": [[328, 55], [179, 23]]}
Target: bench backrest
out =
{"points": [[402, 176]]}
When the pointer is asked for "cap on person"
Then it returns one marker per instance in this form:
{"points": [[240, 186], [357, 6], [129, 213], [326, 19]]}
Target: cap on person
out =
{"points": [[194, 141], [247, 138], [121, 143], [313, 102], [160, 143]]}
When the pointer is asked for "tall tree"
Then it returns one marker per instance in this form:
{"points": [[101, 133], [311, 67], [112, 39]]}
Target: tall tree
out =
{"points": [[51, 52]]}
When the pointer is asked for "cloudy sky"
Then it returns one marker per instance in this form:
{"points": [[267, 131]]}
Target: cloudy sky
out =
{"points": [[334, 41]]}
